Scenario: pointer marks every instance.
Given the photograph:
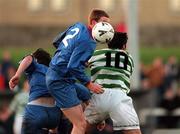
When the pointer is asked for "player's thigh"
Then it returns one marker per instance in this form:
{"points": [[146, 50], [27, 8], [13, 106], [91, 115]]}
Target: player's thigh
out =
{"points": [[124, 115], [75, 114]]}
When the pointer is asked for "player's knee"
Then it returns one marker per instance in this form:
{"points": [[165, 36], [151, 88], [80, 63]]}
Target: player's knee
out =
{"points": [[83, 124]]}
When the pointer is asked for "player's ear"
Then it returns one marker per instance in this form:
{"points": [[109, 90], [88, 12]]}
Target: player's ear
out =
{"points": [[93, 22], [124, 47]]}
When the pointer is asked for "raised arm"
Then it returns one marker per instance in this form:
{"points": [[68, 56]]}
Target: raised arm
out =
{"points": [[22, 67]]}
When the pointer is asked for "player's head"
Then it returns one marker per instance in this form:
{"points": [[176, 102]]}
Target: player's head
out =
{"points": [[42, 56], [119, 41], [97, 15]]}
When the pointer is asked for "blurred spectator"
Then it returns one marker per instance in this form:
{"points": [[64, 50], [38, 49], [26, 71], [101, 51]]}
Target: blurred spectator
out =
{"points": [[170, 102], [6, 64], [154, 74], [152, 78], [17, 107], [171, 72], [2, 80], [172, 66], [145, 84]]}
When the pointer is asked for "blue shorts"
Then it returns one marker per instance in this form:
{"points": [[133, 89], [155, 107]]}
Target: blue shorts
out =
{"points": [[37, 117], [67, 94], [82, 92]]}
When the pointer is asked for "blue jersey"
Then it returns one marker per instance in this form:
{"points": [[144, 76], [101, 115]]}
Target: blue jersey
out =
{"points": [[74, 48], [36, 76]]}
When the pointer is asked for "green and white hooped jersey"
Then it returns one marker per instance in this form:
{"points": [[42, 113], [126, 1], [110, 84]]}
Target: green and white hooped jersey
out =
{"points": [[112, 68]]}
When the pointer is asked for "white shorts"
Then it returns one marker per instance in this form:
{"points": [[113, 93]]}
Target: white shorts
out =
{"points": [[116, 105]]}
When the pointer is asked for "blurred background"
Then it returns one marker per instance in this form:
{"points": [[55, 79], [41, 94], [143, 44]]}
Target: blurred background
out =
{"points": [[154, 40]]}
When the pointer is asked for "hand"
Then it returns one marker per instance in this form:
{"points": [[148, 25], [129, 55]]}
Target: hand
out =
{"points": [[96, 88], [13, 81]]}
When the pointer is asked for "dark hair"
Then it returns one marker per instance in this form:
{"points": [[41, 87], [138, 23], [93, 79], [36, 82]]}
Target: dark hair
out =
{"points": [[42, 56], [96, 14], [118, 41]]}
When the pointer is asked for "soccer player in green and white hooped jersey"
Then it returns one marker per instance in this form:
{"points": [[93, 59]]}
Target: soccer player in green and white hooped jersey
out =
{"points": [[112, 68], [102, 70]]}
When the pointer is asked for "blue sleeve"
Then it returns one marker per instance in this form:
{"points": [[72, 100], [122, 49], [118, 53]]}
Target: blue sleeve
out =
{"points": [[79, 57]]}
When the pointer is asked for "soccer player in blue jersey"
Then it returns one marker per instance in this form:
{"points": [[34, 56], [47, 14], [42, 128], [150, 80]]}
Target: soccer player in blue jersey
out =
{"points": [[74, 48], [41, 113]]}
